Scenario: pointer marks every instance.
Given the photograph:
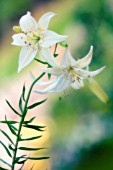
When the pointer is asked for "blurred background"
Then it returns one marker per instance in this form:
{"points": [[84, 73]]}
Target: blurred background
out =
{"points": [[79, 132]]}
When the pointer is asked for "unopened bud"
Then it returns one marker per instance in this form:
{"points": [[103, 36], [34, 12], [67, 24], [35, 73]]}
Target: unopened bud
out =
{"points": [[63, 44], [17, 29]]}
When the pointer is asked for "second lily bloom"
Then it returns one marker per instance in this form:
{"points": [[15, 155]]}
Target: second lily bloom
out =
{"points": [[70, 72]]}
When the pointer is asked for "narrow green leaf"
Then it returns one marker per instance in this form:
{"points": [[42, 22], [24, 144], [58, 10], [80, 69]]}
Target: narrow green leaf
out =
{"points": [[38, 128], [12, 130], [29, 121], [30, 149], [21, 162], [32, 138], [13, 108], [8, 121], [42, 62], [7, 150], [37, 158], [19, 157], [7, 136], [11, 148], [1, 160], [13, 127], [23, 92], [49, 75], [20, 105], [55, 55], [36, 104]]}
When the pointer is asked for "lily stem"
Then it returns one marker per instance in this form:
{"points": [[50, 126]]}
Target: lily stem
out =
{"points": [[22, 119], [24, 114]]}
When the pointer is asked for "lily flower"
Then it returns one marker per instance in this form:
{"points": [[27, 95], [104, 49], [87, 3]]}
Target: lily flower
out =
{"points": [[71, 72], [34, 37]]}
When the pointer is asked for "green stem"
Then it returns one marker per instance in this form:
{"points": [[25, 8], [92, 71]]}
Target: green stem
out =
{"points": [[24, 114], [22, 119]]}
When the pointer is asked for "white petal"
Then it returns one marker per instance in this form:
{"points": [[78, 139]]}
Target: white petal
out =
{"points": [[45, 19], [55, 71], [51, 38], [40, 83], [59, 85], [28, 23], [48, 57], [85, 73], [19, 39], [53, 87], [77, 84], [27, 54], [68, 60], [84, 62]]}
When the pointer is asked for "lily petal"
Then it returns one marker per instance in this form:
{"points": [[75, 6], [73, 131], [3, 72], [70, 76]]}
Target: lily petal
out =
{"points": [[19, 39], [45, 19], [52, 87], [85, 73], [77, 84], [27, 54], [68, 60], [48, 57], [55, 71], [59, 85], [51, 38], [40, 83], [84, 62], [28, 23]]}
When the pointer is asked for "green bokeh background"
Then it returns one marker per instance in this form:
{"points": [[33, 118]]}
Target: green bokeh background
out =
{"points": [[95, 20]]}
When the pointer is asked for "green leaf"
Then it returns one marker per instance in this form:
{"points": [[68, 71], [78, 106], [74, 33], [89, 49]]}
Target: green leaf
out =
{"points": [[11, 148], [12, 130], [55, 55], [7, 136], [37, 158], [23, 92], [1, 160], [21, 162], [8, 121], [20, 105], [35, 127], [42, 62], [10, 127], [19, 157], [32, 138], [7, 150], [29, 121], [13, 108], [30, 149], [49, 75], [13, 127], [36, 104]]}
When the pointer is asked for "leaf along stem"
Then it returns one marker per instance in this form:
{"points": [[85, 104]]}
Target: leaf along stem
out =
{"points": [[23, 117]]}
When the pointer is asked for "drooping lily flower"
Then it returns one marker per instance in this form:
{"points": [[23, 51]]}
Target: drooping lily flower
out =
{"points": [[34, 37], [69, 73]]}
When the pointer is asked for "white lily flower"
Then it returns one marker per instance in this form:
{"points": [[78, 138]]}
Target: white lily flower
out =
{"points": [[70, 73], [34, 37]]}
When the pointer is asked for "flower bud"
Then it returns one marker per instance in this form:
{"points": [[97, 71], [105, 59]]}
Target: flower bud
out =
{"points": [[17, 29], [63, 44]]}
